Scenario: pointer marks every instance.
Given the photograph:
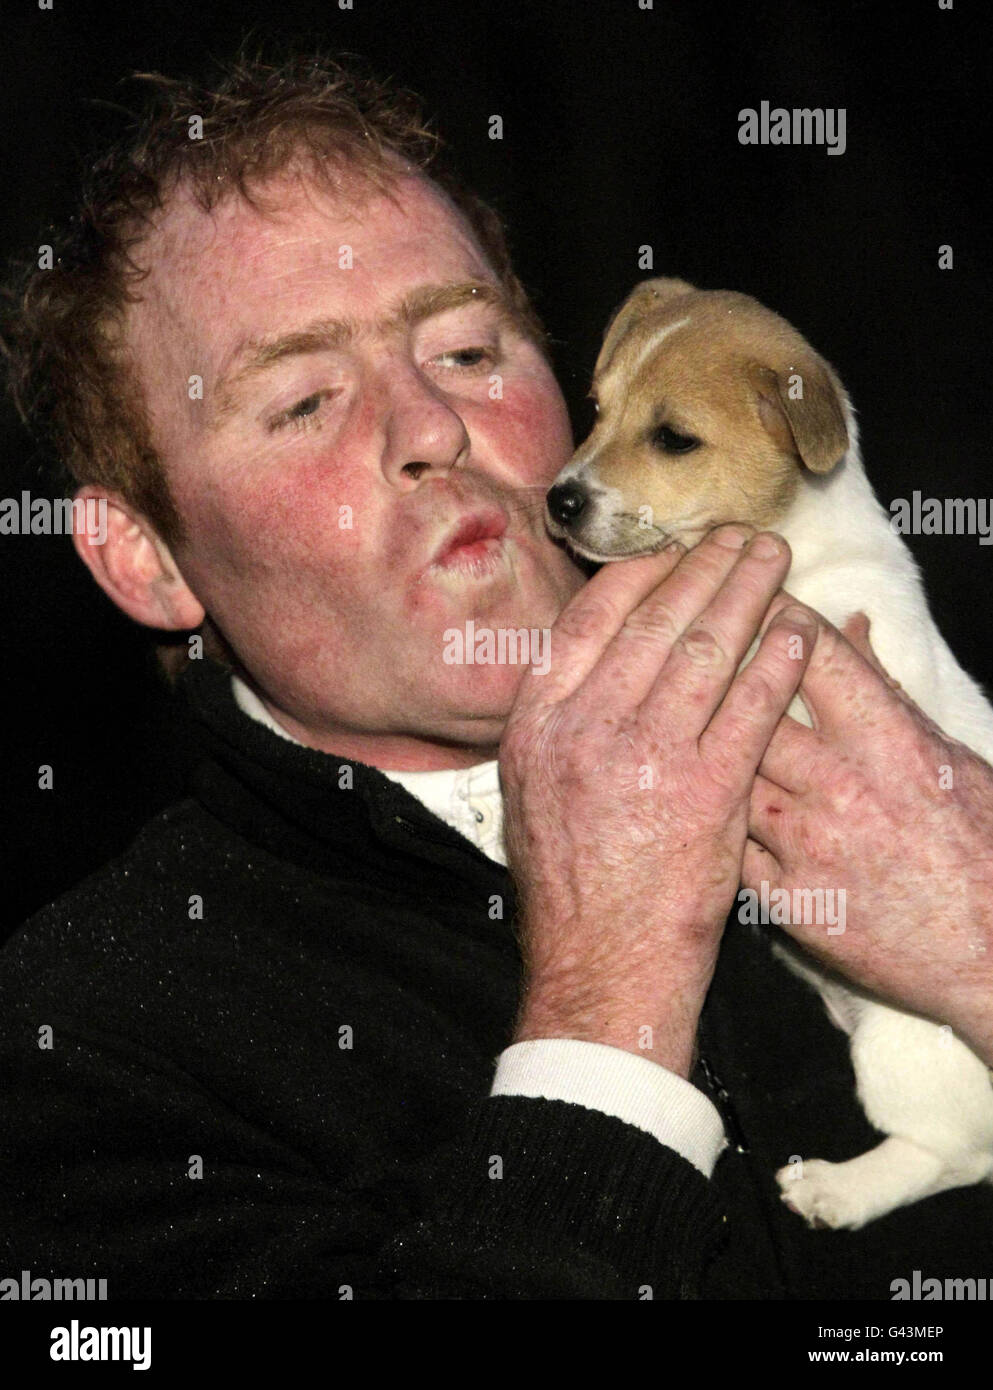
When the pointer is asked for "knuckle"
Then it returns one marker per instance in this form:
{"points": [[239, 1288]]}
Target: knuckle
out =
{"points": [[654, 622], [723, 757], [585, 620], [723, 537], [702, 647], [818, 843], [762, 692], [850, 792]]}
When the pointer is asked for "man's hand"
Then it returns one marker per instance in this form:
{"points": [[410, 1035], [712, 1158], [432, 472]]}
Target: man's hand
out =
{"points": [[877, 801], [627, 771]]}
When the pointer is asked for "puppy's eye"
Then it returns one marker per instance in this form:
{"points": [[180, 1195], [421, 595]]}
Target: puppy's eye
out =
{"points": [[670, 442]]}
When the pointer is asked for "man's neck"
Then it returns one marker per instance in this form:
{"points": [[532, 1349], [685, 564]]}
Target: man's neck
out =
{"points": [[398, 754]]}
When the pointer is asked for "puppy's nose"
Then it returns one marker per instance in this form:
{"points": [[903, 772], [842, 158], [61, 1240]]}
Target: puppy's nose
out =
{"points": [[566, 502]]}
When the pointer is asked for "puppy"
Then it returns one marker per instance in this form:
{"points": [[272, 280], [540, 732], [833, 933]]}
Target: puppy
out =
{"points": [[713, 409]]}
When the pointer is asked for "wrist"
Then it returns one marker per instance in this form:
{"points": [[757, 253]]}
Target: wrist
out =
{"points": [[672, 1047]]}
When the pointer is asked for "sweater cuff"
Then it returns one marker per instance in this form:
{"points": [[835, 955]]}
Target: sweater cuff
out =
{"points": [[542, 1199], [617, 1083]]}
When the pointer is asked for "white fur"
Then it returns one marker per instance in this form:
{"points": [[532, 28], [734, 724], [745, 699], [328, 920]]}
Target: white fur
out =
{"points": [[649, 348], [917, 1084]]}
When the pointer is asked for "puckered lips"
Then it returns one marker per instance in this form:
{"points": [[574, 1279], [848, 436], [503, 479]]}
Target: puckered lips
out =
{"points": [[471, 539]]}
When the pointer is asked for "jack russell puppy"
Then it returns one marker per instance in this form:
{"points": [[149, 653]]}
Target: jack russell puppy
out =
{"points": [[713, 409]]}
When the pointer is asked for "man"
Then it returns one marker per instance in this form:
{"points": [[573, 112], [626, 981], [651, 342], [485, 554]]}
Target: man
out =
{"points": [[308, 1037]]}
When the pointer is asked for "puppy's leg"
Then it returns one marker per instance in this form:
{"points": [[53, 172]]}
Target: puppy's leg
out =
{"points": [[931, 1095]]}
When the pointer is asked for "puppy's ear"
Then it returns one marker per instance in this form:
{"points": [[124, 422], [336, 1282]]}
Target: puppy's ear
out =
{"points": [[644, 299], [800, 406]]}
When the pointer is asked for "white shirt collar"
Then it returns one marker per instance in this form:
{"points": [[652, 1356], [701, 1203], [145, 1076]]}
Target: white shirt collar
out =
{"points": [[467, 798]]}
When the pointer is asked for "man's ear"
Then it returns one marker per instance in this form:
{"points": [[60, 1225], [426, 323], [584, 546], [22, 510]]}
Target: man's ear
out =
{"points": [[133, 565], [800, 405], [644, 299]]}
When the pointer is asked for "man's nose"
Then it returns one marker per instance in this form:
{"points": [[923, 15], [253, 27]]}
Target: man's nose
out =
{"points": [[425, 432], [566, 502]]}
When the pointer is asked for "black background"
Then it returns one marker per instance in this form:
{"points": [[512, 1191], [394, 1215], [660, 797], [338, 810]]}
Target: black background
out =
{"points": [[620, 129]]}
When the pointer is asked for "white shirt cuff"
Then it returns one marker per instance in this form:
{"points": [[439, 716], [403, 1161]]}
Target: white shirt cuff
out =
{"points": [[617, 1083]]}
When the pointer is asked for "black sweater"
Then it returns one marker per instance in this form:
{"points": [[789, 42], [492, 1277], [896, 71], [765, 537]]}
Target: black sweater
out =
{"points": [[285, 1094]]}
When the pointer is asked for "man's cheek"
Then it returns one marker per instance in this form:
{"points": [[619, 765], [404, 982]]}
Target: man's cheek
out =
{"points": [[530, 427], [308, 517]]}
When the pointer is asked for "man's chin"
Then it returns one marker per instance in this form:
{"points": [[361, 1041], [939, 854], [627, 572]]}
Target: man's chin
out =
{"points": [[475, 696]]}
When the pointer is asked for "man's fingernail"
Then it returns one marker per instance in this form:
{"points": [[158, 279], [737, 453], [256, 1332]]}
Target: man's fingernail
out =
{"points": [[765, 546], [731, 537]]}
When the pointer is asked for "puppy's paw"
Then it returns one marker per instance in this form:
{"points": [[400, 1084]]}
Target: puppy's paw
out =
{"points": [[825, 1196]]}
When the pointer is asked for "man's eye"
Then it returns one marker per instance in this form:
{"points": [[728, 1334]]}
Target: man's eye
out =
{"points": [[671, 442], [464, 357], [300, 414]]}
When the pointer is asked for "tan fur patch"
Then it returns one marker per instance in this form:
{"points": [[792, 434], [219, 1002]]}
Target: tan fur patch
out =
{"points": [[721, 372]]}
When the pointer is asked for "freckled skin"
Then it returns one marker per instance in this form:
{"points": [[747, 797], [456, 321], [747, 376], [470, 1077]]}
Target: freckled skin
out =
{"points": [[338, 629]]}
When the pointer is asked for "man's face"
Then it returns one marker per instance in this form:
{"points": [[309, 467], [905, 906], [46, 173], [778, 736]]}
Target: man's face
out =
{"points": [[320, 479]]}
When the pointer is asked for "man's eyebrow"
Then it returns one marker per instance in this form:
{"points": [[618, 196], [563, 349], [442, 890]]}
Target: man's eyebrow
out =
{"points": [[255, 356]]}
